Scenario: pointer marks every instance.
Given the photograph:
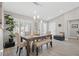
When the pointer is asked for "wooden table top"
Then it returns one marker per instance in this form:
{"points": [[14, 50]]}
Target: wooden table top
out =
{"points": [[32, 37]]}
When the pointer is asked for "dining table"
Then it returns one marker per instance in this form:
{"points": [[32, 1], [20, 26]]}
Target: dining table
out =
{"points": [[29, 38]]}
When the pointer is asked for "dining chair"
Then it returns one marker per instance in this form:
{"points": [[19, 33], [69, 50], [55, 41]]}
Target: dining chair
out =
{"points": [[20, 44]]}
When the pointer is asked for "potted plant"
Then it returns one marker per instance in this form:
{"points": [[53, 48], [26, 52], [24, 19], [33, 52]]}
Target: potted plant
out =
{"points": [[10, 26]]}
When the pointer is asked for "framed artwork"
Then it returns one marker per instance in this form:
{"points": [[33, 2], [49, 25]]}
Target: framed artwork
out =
{"points": [[59, 25], [74, 25]]}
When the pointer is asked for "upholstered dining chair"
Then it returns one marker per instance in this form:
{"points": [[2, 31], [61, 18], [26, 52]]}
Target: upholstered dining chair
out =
{"points": [[20, 44]]}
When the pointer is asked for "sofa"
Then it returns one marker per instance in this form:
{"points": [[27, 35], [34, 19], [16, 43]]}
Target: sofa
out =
{"points": [[60, 37]]}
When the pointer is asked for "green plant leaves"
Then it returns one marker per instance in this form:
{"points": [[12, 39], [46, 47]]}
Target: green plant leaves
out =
{"points": [[10, 24]]}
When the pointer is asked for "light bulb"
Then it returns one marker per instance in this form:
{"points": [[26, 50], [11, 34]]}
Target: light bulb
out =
{"points": [[34, 17], [38, 17]]}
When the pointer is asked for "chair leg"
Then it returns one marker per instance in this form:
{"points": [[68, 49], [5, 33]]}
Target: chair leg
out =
{"points": [[51, 44], [20, 51], [32, 48], [36, 51], [17, 49], [47, 45], [26, 49], [41, 47]]}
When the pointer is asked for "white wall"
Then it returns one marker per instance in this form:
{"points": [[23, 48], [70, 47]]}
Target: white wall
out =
{"points": [[52, 28], [64, 21], [57, 21]]}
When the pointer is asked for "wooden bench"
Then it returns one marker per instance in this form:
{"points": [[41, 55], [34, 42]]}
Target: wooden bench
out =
{"points": [[38, 44]]}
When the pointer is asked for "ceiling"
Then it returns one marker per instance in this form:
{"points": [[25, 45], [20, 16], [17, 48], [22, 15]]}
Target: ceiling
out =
{"points": [[45, 10]]}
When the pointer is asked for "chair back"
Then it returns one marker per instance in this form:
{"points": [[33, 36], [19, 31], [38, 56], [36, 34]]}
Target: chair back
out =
{"points": [[18, 38], [48, 32]]}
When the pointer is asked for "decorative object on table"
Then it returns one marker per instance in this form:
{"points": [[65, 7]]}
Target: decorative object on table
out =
{"points": [[10, 26], [74, 25]]}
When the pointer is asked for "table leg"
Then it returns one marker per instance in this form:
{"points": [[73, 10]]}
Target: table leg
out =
{"points": [[28, 48]]}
